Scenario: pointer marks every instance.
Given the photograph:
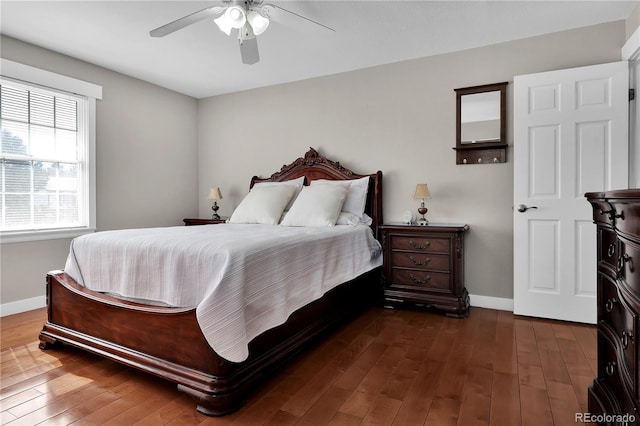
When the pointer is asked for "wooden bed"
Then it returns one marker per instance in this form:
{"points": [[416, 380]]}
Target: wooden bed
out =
{"points": [[168, 342]]}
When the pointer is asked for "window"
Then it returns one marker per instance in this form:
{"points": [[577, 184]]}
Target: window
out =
{"points": [[46, 159]]}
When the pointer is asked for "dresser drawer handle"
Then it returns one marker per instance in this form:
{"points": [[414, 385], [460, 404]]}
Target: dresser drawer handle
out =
{"points": [[418, 280], [610, 304], [612, 250], [625, 339], [418, 263], [419, 246], [610, 368], [612, 214], [622, 260]]}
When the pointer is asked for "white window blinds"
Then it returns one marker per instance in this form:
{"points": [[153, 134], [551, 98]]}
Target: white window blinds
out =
{"points": [[42, 158]]}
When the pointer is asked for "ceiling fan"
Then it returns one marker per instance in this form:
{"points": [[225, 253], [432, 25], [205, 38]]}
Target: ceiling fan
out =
{"points": [[249, 17]]}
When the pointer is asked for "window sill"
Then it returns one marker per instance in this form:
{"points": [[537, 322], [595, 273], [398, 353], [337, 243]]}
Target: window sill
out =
{"points": [[45, 234]]}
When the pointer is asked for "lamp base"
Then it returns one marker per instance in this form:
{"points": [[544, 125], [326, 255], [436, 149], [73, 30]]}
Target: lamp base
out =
{"points": [[422, 210], [215, 208]]}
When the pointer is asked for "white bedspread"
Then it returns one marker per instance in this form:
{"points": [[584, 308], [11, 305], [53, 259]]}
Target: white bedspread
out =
{"points": [[243, 279]]}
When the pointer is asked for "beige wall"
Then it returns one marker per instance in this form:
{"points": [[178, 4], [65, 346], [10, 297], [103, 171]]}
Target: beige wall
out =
{"points": [[146, 153], [400, 119]]}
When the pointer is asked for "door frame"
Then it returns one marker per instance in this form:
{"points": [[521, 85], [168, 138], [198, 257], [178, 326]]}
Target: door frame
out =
{"points": [[631, 52]]}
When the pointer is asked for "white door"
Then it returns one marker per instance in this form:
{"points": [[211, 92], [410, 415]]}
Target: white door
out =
{"points": [[570, 137]]}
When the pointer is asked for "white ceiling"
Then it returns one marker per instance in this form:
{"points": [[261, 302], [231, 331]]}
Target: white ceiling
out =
{"points": [[201, 61]]}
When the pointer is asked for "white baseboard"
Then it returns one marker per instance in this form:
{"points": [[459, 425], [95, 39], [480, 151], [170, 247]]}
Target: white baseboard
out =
{"points": [[489, 302], [22, 306]]}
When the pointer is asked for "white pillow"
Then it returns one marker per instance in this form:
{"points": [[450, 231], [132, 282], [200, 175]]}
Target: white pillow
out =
{"points": [[345, 218], [298, 183], [356, 197], [316, 206], [263, 205]]}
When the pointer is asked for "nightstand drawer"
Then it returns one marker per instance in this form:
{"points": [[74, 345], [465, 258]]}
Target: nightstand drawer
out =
{"points": [[429, 261], [421, 279], [420, 244]]}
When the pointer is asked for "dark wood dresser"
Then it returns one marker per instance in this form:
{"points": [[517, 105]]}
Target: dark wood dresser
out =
{"points": [[614, 394], [424, 265]]}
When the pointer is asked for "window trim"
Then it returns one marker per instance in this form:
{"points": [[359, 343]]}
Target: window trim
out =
{"points": [[31, 75]]}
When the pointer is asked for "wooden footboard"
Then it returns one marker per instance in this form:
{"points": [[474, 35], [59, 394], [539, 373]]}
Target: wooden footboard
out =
{"points": [[168, 343]]}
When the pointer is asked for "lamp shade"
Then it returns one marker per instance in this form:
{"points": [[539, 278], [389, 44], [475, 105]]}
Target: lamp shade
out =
{"points": [[422, 191], [233, 17], [258, 22], [214, 194]]}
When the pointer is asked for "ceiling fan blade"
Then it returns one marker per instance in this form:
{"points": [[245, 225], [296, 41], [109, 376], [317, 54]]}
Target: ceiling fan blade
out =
{"points": [[300, 16], [186, 21], [249, 51]]}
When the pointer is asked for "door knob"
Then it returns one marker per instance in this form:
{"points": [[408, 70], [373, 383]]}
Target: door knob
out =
{"points": [[522, 208]]}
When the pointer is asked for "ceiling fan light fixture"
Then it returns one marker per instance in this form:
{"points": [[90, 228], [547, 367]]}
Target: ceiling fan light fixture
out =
{"points": [[259, 23], [236, 16], [223, 24], [233, 17]]}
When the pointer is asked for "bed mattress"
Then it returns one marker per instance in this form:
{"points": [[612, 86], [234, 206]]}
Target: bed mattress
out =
{"points": [[242, 279]]}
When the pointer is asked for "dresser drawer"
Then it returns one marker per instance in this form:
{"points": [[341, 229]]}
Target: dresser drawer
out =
{"points": [[627, 218], [627, 265], [420, 244], [621, 320], [610, 373], [411, 278], [608, 247], [422, 261]]}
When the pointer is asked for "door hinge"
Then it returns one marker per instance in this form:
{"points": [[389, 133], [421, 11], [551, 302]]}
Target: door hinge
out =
{"points": [[632, 94]]}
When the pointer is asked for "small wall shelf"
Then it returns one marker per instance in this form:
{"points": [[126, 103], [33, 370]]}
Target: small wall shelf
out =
{"points": [[486, 152]]}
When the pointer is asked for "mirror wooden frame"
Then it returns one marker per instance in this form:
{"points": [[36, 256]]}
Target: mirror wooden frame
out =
{"points": [[482, 152]]}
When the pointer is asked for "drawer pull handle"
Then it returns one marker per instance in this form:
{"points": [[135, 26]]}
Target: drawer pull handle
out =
{"points": [[610, 368], [418, 280], [625, 339], [419, 246], [610, 304], [622, 260], [612, 250], [418, 263], [612, 214]]}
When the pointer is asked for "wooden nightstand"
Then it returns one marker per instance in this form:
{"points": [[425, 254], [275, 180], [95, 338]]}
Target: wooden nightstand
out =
{"points": [[424, 265], [201, 221]]}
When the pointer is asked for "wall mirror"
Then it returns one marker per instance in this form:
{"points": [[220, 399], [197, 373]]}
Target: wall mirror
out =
{"points": [[481, 126]]}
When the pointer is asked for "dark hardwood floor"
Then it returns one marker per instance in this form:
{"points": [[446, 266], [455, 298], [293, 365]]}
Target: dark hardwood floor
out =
{"points": [[386, 367]]}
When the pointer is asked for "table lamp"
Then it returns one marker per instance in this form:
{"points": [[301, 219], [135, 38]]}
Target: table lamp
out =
{"points": [[422, 193], [215, 195]]}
